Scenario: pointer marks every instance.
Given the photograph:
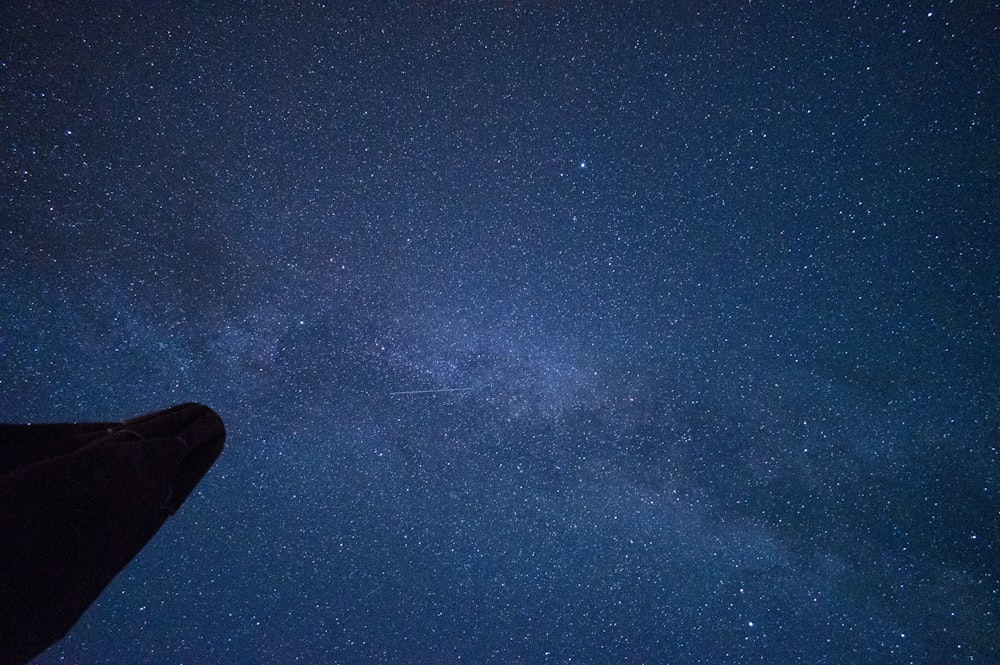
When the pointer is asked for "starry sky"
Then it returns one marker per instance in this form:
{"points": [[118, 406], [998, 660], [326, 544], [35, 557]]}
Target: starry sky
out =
{"points": [[543, 332]]}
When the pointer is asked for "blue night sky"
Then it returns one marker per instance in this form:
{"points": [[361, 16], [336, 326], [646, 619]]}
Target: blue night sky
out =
{"points": [[705, 299]]}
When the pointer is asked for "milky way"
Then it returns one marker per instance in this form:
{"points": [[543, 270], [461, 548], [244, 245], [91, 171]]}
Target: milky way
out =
{"points": [[542, 334]]}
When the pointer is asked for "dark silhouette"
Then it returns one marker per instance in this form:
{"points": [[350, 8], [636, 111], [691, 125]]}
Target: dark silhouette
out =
{"points": [[78, 501]]}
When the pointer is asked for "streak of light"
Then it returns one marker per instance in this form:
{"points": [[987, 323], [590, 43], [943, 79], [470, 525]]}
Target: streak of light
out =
{"points": [[424, 392]]}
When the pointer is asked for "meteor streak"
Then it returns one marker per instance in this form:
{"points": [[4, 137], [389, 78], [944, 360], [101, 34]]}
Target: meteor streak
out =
{"points": [[424, 392]]}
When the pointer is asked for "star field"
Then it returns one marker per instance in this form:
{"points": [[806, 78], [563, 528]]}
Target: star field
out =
{"points": [[542, 333]]}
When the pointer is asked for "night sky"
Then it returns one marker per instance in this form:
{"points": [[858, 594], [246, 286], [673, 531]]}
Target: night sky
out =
{"points": [[706, 303]]}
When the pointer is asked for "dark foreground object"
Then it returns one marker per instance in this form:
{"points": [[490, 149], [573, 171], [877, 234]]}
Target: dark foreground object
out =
{"points": [[77, 502]]}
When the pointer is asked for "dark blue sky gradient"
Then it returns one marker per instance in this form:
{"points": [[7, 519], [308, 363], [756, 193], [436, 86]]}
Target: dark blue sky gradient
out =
{"points": [[720, 286]]}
